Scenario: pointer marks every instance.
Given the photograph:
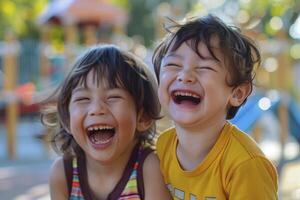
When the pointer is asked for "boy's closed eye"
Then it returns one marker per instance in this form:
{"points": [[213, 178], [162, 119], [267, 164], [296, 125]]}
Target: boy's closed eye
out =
{"points": [[172, 65], [206, 68], [171, 60]]}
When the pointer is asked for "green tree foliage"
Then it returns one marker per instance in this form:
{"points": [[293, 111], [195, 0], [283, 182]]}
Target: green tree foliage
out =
{"points": [[19, 16], [141, 19], [284, 12], [142, 16]]}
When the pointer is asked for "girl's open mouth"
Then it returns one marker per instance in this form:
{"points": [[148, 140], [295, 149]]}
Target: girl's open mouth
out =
{"points": [[99, 134]]}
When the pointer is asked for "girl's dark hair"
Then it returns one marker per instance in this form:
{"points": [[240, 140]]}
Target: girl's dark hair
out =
{"points": [[119, 69], [240, 52]]}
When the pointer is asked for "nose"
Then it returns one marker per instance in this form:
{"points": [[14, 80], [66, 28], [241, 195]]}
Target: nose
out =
{"points": [[186, 76], [98, 108]]}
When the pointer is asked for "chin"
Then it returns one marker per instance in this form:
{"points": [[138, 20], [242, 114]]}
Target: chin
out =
{"points": [[184, 123]]}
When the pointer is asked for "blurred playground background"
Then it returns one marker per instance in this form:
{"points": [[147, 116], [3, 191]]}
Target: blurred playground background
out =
{"points": [[40, 39]]}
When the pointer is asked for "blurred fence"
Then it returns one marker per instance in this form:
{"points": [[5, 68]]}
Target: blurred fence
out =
{"points": [[29, 62], [29, 59], [20, 79]]}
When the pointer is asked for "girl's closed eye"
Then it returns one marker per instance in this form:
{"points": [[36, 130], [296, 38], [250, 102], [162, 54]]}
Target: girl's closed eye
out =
{"points": [[81, 99], [114, 98], [79, 96]]}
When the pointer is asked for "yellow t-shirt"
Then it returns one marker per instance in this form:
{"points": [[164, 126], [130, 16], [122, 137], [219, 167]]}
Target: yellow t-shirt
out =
{"points": [[235, 168]]}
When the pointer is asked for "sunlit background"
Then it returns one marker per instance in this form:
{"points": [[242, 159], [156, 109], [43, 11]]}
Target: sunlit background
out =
{"points": [[40, 39]]}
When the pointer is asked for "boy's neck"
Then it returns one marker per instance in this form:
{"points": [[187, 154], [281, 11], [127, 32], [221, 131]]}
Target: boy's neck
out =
{"points": [[194, 145]]}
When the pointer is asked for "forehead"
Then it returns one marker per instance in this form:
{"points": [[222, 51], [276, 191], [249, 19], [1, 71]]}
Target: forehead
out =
{"points": [[204, 49], [95, 78]]}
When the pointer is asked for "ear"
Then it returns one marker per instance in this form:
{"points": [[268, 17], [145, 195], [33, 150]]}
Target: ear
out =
{"points": [[239, 94], [143, 122]]}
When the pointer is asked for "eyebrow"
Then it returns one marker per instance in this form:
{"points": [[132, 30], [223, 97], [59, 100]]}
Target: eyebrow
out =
{"points": [[211, 58], [172, 54]]}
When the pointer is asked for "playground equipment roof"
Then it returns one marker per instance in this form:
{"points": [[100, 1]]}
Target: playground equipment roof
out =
{"points": [[82, 12]]}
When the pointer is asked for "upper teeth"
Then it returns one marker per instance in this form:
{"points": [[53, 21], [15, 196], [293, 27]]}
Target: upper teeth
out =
{"points": [[98, 128], [186, 94]]}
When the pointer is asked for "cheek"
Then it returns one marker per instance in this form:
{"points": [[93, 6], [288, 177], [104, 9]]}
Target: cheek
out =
{"points": [[73, 122], [164, 81], [162, 96], [127, 121], [125, 113], [75, 116], [164, 76]]}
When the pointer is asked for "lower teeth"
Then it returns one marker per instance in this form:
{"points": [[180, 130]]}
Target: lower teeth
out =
{"points": [[99, 139]]}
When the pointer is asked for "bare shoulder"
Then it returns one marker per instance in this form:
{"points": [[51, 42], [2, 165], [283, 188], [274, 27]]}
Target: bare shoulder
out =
{"points": [[57, 180], [154, 185], [57, 172], [151, 161]]}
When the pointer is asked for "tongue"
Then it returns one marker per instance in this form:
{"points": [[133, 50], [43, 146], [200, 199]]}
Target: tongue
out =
{"points": [[101, 138], [187, 102]]}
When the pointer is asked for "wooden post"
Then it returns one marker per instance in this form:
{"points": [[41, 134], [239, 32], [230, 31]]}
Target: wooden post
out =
{"points": [[70, 44], [283, 85], [45, 66], [283, 119], [10, 82], [90, 37]]}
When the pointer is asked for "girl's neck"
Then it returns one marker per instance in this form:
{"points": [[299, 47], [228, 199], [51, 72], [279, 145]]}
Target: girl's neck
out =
{"points": [[195, 143], [116, 165], [107, 175]]}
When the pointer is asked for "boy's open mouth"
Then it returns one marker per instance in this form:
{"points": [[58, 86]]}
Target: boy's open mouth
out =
{"points": [[182, 97], [99, 134]]}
